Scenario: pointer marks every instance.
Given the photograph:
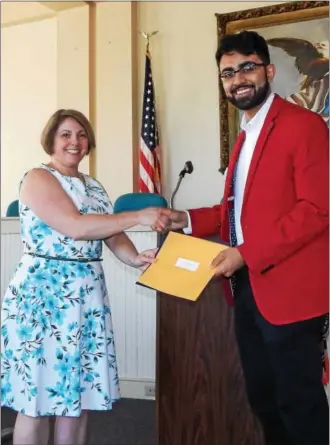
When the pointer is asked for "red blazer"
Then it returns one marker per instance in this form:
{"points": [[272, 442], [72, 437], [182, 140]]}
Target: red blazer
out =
{"points": [[284, 215]]}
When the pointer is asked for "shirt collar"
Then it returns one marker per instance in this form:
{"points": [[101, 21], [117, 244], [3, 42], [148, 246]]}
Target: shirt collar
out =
{"points": [[260, 116]]}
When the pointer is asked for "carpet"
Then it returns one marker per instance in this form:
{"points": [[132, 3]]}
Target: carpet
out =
{"points": [[131, 422]]}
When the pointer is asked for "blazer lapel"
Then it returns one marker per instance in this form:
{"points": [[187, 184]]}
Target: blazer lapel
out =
{"points": [[232, 162], [231, 168], [261, 142]]}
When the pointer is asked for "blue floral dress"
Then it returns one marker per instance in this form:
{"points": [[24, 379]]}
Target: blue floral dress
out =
{"points": [[57, 344]]}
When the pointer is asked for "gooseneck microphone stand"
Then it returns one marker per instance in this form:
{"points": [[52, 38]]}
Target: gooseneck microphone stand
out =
{"points": [[188, 168]]}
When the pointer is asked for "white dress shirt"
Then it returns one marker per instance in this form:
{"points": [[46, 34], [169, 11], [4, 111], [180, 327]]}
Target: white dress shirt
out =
{"points": [[252, 129]]}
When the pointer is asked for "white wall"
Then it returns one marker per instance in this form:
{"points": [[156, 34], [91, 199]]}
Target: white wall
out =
{"points": [[44, 66], [28, 95]]}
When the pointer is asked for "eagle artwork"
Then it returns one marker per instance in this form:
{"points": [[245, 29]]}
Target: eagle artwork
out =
{"points": [[312, 61]]}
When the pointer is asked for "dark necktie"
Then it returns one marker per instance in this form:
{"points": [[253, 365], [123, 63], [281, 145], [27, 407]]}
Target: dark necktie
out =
{"points": [[231, 207], [232, 229]]}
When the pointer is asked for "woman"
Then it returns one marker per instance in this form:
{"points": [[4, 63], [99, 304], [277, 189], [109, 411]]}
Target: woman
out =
{"points": [[58, 353]]}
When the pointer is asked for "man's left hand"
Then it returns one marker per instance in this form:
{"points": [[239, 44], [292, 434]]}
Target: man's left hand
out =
{"points": [[227, 262]]}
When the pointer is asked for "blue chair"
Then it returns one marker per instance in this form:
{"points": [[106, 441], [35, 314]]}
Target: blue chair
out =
{"points": [[138, 201], [13, 209]]}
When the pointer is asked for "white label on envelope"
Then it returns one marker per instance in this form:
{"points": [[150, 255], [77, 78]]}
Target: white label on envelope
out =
{"points": [[187, 264]]}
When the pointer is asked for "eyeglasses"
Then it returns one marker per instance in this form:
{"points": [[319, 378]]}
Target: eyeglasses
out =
{"points": [[244, 68]]}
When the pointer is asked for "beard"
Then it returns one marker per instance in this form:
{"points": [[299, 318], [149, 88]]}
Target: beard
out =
{"points": [[247, 103]]}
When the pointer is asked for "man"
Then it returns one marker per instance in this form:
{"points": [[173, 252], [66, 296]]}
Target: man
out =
{"points": [[274, 212]]}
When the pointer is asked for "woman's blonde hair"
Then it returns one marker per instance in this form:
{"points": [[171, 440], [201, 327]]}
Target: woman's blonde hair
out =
{"points": [[48, 133]]}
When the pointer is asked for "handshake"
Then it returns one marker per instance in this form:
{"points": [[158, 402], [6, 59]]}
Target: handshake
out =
{"points": [[162, 219]]}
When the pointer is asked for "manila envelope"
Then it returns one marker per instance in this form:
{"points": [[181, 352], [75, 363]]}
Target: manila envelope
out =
{"points": [[182, 266]]}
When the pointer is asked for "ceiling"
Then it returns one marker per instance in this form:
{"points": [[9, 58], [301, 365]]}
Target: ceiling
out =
{"points": [[13, 12]]}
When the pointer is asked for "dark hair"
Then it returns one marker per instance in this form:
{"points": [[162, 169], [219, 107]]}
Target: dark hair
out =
{"points": [[48, 133], [245, 42]]}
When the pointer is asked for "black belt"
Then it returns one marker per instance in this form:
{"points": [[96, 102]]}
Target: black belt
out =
{"points": [[59, 258]]}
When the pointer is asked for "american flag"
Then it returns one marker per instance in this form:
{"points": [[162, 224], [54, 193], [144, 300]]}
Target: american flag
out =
{"points": [[150, 174]]}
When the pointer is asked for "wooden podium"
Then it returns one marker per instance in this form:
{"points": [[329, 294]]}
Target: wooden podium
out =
{"points": [[200, 393]]}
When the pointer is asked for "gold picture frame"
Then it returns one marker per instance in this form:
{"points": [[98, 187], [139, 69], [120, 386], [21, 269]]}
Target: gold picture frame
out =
{"points": [[264, 17]]}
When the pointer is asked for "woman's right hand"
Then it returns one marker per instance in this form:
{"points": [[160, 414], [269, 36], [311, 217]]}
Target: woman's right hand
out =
{"points": [[162, 219], [155, 217]]}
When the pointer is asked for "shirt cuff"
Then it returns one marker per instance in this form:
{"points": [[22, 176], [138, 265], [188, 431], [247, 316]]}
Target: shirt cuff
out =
{"points": [[188, 230]]}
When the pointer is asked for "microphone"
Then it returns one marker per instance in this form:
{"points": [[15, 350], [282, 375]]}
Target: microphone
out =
{"points": [[188, 168]]}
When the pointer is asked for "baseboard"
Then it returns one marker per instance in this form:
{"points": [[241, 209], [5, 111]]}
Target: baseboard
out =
{"points": [[135, 389]]}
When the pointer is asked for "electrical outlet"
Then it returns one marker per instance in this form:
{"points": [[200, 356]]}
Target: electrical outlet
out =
{"points": [[149, 390]]}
